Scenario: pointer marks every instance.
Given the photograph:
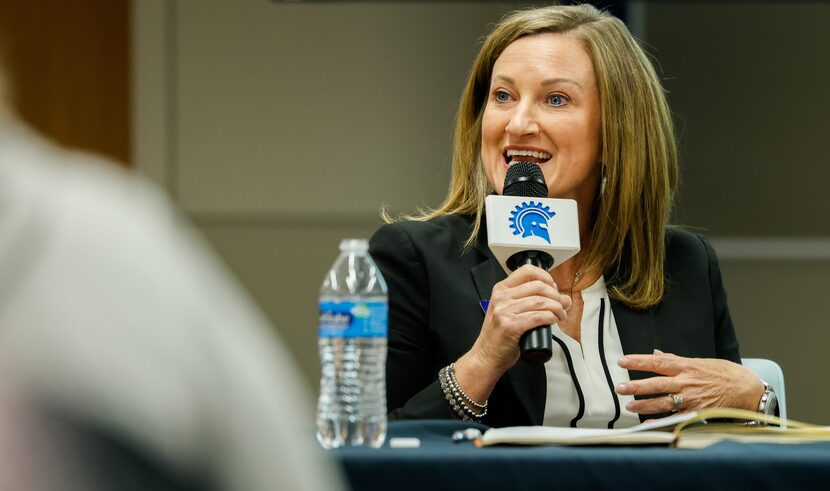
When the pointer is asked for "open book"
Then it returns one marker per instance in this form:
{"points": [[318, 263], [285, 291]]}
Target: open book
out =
{"points": [[685, 430]]}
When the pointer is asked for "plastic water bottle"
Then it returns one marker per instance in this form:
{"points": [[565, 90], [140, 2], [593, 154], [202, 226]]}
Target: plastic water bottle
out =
{"points": [[351, 409]]}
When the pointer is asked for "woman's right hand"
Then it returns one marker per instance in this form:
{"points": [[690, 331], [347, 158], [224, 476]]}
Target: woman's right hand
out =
{"points": [[526, 299]]}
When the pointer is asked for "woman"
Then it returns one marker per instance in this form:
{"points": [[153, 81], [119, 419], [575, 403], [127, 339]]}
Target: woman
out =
{"points": [[639, 315]]}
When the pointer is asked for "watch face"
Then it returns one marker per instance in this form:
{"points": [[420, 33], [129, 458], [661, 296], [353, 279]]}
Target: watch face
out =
{"points": [[772, 404]]}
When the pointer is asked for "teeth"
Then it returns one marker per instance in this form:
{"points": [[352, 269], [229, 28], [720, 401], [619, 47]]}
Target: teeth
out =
{"points": [[528, 153]]}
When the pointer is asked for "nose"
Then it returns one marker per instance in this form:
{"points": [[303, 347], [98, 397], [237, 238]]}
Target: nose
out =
{"points": [[523, 121]]}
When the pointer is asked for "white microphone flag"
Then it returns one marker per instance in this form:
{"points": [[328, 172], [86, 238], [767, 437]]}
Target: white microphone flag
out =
{"points": [[517, 223]]}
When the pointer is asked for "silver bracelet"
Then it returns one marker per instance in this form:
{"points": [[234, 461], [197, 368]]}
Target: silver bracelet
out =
{"points": [[457, 398], [455, 384], [767, 405], [445, 387], [769, 401]]}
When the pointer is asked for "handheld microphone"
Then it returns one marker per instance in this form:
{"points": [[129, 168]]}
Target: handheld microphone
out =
{"points": [[524, 226]]}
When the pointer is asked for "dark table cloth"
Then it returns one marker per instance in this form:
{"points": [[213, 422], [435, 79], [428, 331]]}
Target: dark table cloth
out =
{"points": [[440, 464]]}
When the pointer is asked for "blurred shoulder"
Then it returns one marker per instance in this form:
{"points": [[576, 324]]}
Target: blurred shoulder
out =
{"points": [[42, 179]]}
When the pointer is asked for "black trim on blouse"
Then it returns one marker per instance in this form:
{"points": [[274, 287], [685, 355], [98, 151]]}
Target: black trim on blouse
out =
{"points": [[581, 397], [601, 346]]}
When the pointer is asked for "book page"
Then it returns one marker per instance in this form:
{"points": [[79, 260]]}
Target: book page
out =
{"points": [[644, 433], [690, 430]]}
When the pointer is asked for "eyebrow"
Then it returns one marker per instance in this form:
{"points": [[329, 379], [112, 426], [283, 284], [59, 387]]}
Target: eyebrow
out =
{"points": [[551, 81], [546, 82]]}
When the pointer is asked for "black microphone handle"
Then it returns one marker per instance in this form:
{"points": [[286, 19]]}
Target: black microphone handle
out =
{"points": [[536, 344]]}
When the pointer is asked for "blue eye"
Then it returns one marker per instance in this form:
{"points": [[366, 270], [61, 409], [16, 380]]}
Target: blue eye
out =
{"points": [[557, 100], [501, 96]]}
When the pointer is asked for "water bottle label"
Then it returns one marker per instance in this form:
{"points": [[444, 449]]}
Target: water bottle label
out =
{"points": [[353, 319]]}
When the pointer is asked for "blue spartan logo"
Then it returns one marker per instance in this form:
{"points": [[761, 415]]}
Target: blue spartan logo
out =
{"points": [[531, 219]]}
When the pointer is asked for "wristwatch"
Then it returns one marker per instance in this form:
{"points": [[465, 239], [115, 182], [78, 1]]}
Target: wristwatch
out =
{"points": [[769, 402]]}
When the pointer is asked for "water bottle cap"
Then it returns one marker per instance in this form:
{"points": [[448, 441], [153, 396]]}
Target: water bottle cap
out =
{"points": [[354, 245]]}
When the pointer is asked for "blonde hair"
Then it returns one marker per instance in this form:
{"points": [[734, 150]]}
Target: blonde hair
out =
{"points": [[639, 153]]}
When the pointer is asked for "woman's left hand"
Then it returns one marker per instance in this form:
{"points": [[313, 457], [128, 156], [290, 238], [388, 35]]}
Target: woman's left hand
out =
{"points": [[701, 382]]}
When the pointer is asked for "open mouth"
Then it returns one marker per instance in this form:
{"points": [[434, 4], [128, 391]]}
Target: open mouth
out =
{"points": [[516, 155]]}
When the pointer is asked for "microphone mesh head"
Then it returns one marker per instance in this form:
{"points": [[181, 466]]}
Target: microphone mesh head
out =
{"points": [[525, 179]]}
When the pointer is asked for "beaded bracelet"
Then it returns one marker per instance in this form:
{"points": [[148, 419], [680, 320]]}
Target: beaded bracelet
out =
{"points": [[461, 398], [457, 398], [456, 385], [442, 377], [453, 397]]}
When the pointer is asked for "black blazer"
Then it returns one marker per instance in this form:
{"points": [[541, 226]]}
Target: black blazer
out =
{"points": [[435, 315]]}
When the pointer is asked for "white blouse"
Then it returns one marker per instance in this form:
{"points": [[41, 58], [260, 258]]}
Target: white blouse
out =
{"points": [[581, 376]]}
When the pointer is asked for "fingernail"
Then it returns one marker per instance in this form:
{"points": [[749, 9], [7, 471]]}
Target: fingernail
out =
{"points": [[623, 361], [622, 387], [629, 406], [657, 352]]}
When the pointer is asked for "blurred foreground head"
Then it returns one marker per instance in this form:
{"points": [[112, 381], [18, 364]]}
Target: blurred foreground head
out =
{"points": [[140, 352]]}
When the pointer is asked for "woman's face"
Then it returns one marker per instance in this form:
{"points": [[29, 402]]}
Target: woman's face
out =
{"points": [[543, 106]]}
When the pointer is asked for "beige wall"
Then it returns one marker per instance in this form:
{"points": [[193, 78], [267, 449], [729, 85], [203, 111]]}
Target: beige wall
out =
{"points": [[282, 127], [747, 82]]}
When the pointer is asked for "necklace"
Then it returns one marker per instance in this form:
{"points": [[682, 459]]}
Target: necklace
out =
{"points": [[577, 277], [576, 280]]}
